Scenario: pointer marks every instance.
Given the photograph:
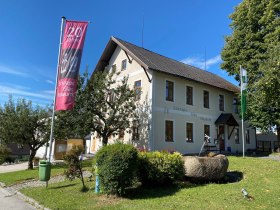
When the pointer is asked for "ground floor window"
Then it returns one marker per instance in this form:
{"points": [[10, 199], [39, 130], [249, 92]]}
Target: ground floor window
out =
{"points": [[206, 132], [236, 135], [189, 132], [247, 136], [169, 130]]}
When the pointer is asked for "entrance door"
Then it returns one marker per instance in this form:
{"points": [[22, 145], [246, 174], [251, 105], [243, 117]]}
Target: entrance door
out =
{"points": [[222, 137]]}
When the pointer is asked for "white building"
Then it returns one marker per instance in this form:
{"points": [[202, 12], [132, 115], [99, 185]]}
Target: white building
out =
{"points": [[179, 103]]}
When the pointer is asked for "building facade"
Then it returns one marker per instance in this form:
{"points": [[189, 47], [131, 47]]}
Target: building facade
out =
{"points": [[177, 104]]}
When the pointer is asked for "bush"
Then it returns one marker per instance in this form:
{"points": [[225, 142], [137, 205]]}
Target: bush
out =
{"points": [[4, 153], [157, 168], [74, 162], [117, 164]]}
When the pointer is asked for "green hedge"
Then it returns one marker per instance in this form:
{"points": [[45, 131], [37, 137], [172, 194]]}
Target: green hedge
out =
{"points": [[117, 165], [158, 168]]}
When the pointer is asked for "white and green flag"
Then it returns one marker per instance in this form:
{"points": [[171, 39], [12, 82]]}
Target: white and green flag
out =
{"points": [[243, 75]]}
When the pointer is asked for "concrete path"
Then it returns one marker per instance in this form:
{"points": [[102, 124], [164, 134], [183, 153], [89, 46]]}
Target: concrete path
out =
{"points": [[13, 167], [11, 201]]}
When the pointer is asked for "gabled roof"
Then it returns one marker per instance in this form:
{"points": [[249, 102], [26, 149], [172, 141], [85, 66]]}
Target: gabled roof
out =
{"points": [[156, 62]]}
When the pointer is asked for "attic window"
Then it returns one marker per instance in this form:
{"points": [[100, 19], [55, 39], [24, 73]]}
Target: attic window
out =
{"points": [[124, 64]]}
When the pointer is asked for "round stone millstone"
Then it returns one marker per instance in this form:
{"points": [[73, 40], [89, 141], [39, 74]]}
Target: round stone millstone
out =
{"points": [[206, 168]]}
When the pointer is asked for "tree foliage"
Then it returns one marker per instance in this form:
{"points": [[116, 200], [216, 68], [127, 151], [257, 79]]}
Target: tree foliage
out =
{"points": [[25, 124], [102, 105], [254, 44]]}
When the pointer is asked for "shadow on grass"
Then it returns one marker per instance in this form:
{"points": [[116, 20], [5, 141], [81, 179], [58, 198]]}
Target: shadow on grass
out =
{"points": [[231, 177], [141, 192], [63, 186]]}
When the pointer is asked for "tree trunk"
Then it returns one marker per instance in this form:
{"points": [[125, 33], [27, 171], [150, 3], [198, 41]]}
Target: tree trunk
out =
{"points": [[31, 157], [104, 140]]}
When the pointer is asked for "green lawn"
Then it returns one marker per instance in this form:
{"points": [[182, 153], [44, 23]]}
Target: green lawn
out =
{"points": [[261, 178], [21, 176]]}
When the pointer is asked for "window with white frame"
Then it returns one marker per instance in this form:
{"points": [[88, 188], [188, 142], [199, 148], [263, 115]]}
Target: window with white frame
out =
{"points": [[124, 62], [189, 95], [206, 132], [137, 90], [206, 99], [189, 132], [221, 103], [169, 130], [247, 136], [236, 135], [169, 91]]}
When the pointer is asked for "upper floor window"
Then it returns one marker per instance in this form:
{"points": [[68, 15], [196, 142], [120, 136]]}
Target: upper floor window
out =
{"points": [[169, 130], [114, 68], [189, 95], [206, 99], [189, 132], [169, 92], [137, 89], [124, 64], [235, 105], [221, 103]]}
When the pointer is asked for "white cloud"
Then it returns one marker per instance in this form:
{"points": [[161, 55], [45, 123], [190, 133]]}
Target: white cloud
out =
{"points": [[9, 70], [49, 81], [23, 93], [200, 62]]}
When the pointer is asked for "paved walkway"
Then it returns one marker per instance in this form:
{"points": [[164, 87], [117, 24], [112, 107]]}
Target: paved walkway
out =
{"points": [[10, 201], [13, 167]]}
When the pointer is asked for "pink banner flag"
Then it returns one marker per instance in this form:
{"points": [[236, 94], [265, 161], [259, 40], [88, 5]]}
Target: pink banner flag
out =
{"points": [[69, 64]]}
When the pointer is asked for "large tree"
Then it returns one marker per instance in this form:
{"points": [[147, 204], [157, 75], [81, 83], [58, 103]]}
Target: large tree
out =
{"points": [[255, 36], [102, 105], [23, 123]]}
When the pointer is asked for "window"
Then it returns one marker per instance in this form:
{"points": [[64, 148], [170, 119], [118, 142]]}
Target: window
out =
{"points": [[189, 95], [235, 106], [169, 94], [124, 64], [121, 134], [114, 68], [189, 132], [221, 103], [236, 135], [247, 136], [111, 96], [137, 90], [135, 133], [169, 130], [206, 99], [206, 132]]}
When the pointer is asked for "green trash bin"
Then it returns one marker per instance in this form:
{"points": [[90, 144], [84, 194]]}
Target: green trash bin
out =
{"points": [[44, 171]]}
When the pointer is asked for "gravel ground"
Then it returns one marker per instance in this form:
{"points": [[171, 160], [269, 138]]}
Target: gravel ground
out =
{"points": [[37, 183]]}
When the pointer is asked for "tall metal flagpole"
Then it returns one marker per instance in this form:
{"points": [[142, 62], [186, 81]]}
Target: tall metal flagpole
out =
{"points": [[242, 113], [53, 113]]}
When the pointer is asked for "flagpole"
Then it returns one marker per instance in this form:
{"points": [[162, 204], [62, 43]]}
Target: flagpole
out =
{"points": [[53, 112], [242, 113]]}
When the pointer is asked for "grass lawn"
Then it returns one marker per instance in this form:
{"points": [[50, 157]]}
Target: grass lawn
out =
{"points": [[21, 176], [261, 178]]}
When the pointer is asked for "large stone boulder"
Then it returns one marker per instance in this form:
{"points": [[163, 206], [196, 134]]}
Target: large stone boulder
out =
{"points": [[206, 168]]}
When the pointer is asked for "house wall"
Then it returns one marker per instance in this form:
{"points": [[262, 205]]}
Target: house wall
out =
{"points": [[154, 110], [181, 113], [135, 72]]}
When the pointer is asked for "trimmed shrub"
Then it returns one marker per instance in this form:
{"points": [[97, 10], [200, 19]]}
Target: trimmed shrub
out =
{"points": [[158, 168], [117, 164]]}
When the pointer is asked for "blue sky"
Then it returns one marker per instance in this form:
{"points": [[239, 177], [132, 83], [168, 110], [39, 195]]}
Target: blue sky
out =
{"points": [[180, 29]]}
